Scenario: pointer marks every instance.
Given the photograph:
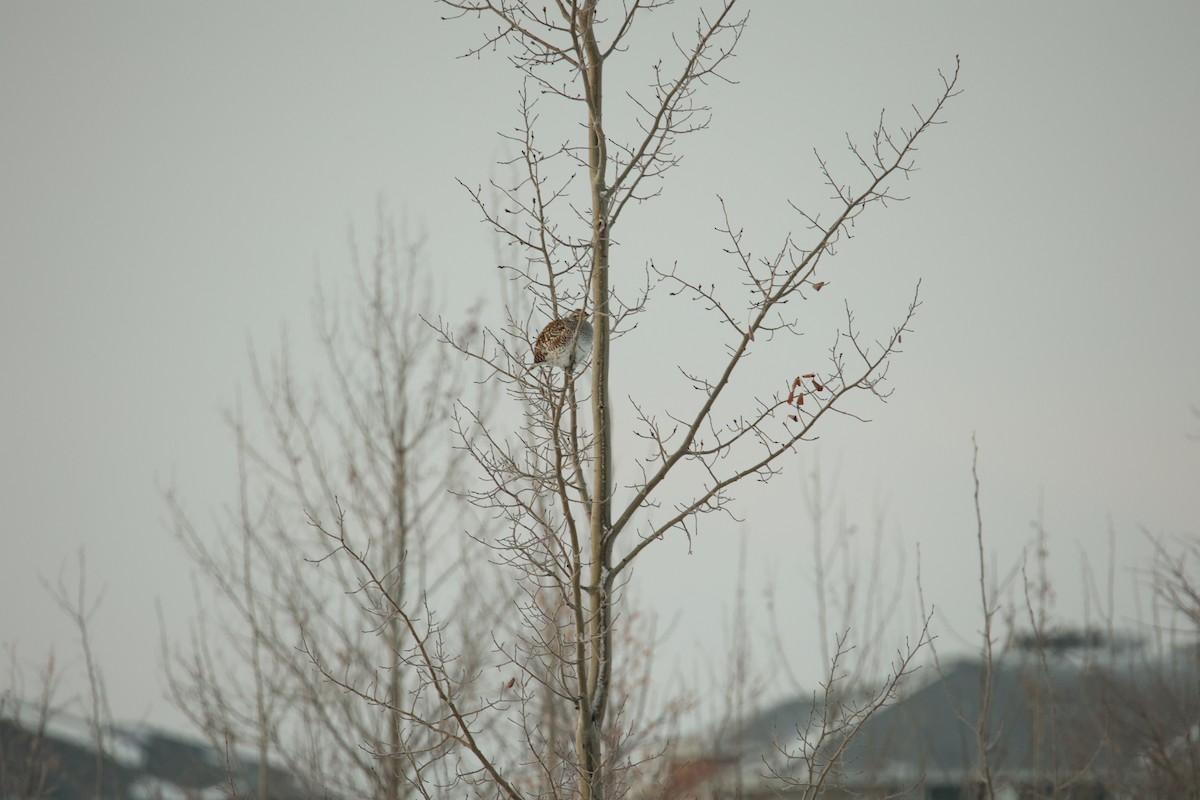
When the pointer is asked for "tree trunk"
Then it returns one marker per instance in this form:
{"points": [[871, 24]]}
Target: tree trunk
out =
{"points": [[592, 710], [393, 783]]}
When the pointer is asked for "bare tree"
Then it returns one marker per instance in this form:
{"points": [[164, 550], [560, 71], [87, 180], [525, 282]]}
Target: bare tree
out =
{"points": [[32, 764], [810, 761], [81, 609], [547, 469], [983, 725], [866, 670], [27, 765], [369, 435]]}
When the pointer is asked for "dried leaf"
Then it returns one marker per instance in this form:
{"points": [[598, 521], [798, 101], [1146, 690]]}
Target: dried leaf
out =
{"points": [[819, 285], [794, 418]]}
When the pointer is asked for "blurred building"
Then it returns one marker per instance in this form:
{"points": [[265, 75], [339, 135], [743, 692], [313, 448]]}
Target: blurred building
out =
{"points": [[1072, 716], [57, 756]]}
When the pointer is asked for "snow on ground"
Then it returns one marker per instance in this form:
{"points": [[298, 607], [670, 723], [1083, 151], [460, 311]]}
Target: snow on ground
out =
{"points": [[121, 746]]}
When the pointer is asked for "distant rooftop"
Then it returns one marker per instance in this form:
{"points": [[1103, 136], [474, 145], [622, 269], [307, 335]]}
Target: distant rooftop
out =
{"points": [[58, 759]]}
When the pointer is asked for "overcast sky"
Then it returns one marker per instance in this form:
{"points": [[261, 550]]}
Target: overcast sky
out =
{"points": [[173, 177]]}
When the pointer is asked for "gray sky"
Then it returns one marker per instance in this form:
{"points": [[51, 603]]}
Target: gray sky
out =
{"points": [[172, 178]]}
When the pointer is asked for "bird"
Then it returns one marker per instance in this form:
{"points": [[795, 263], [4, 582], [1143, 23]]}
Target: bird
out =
{"points": [[565, 342]]}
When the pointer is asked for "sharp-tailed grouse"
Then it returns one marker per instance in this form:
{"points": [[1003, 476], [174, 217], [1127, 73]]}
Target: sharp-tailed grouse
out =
{"points": [[564, 343]]}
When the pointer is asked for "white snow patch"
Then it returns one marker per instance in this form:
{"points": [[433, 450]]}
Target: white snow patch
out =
{"points": [[74, 729], [155, 789]]}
